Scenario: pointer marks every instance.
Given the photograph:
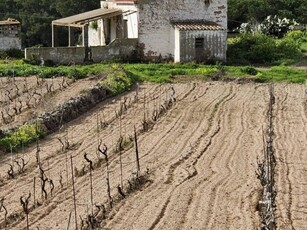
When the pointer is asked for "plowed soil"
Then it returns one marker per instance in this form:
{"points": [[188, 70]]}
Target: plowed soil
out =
{"points": [[201, 157]]}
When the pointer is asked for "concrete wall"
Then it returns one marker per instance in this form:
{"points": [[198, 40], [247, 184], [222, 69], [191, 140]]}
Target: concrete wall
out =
{"points": [[120, 48], [155, 30], [214, 45], [59, 55]]}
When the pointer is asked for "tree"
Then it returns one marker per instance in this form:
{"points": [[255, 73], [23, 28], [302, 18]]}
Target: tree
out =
{"points": [[36, 16], [240, 11]]}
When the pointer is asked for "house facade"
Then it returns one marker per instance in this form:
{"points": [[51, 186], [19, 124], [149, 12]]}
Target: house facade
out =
{"points": [[10, 34], [178, 30], [183, 30]]}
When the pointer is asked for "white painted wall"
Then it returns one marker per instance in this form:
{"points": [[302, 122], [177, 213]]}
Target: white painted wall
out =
{"points": [[155, 29], [95, 35], [177, 46], [130, 14]]}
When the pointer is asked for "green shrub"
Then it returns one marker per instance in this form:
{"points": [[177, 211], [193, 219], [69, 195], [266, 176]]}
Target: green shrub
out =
{"points": [[12, 53], [288, 48], [24, 135], [297, 35], [117, 80], [249, 70], [261, 49]]}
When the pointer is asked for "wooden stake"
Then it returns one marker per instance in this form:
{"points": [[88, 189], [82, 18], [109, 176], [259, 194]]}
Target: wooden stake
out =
{"points": [[120, 150], [138, 168], [74, 192], [68, 223], [34, 200], [91, 180]]}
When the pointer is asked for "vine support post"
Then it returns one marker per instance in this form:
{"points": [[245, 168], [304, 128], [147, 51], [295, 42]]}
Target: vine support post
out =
{"points": [[34, 200], [74, 192], [138, 167], [120, 151]]}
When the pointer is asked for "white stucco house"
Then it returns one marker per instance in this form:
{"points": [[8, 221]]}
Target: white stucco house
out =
{"points": [[179, 30], [185, 30]]}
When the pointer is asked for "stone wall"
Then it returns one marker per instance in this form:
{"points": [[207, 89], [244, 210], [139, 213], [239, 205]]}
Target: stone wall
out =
{"points": [[73, 108], [119, 48], [9, 42]]}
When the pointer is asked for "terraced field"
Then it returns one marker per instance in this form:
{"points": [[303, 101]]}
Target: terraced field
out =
{"points": [[199, 157]]}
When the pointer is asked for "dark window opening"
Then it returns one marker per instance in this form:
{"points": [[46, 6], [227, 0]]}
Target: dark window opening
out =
{"points": [[199, 42]]}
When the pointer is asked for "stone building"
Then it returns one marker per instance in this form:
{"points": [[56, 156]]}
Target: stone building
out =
{"points": [[183, 30], [10, 34], [178, 30]]}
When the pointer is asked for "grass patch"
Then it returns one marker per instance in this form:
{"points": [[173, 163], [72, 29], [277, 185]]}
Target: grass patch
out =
{"points": [[20, 68], [23, 136], [283, 74], [163, 73], [122, 76]]}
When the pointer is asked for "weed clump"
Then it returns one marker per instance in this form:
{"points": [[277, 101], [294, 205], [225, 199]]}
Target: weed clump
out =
{"points": [[22, 136]]}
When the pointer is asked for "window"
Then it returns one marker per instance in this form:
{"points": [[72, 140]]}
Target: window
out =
{"points": [[199, 42]]}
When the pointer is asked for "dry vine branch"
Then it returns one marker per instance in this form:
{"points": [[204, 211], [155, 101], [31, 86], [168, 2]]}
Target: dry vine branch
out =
{"points": [[44, 179], [11, 172], [91, 179], [51, 186], [25, 207], [3, 209], [104, 153]]}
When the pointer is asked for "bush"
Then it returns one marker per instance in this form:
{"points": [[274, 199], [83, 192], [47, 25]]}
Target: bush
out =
{"points": [[249, 70], [261, 49], [117, 80], [24, 135], [12, 53]]}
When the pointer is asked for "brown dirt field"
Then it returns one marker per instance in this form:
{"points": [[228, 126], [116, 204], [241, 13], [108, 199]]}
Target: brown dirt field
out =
{"points": [[201, 157]]}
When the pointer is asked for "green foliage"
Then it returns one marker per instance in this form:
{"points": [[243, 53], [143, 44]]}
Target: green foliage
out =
{"points": [[273, 25], [300, 37], [283, 74], [36, 16], [249, 70], [162, 73], [11, 53], [117, 80], [94, 25], [24, 135], [240, 11], [261, 49], [23, 68]]}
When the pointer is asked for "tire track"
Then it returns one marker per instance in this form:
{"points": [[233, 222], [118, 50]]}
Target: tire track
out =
{"points": [[220, 103], [165, 203], [283, 174], [291, 145]]}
